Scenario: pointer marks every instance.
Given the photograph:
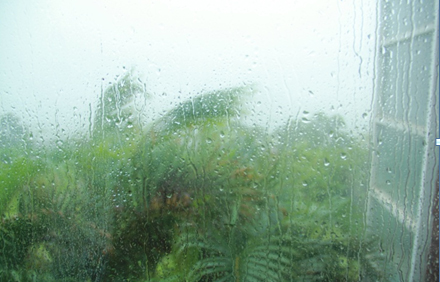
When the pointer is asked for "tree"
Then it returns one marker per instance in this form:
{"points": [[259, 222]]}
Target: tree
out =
{"points": [[115, 113], [195, 195]]}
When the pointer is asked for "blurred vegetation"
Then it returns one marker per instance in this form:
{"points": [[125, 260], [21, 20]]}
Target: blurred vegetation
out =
{"points": [[195, 195]]}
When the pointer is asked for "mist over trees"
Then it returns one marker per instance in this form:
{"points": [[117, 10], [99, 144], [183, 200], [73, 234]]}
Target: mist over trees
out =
{"points": [[194, 195]]}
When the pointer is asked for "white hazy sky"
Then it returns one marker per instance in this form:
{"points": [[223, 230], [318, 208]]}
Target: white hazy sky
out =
{"points": [[303, 56]]}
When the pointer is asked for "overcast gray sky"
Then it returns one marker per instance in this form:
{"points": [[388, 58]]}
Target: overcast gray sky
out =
{"points": [[303, 56]]}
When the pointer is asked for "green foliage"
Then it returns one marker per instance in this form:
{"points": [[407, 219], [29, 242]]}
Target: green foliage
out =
{"points": [[116, 108], [195, 195]]}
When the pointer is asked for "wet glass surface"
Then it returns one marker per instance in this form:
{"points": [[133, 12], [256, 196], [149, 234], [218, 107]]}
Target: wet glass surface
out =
{"points": [[217, 142]]}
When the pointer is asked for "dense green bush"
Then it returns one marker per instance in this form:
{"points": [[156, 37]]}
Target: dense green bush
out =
{"points": [[195, 195]]}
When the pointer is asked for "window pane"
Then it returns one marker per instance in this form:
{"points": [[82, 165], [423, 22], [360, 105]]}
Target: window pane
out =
{"points": [[220, 141], [401, 186]]}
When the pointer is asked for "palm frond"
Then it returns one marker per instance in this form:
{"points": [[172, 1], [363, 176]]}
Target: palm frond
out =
{"points": [[209, 107]]}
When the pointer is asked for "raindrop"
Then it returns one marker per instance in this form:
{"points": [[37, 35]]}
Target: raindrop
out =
{"points": [[209, 140], [305, 120], [222, 134], [388, 182], [326, 162], [343, 156]]}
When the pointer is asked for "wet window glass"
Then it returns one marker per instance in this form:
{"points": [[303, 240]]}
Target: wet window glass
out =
{"points": [[218, 141]]}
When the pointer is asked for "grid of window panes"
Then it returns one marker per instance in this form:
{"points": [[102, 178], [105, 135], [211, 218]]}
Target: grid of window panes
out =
{"points": [[405, 121]]}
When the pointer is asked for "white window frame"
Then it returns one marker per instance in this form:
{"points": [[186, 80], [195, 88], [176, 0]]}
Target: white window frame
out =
{"points": [[419, 225]]}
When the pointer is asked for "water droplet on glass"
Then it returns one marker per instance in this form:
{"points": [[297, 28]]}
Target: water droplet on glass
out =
{"points": [[388, 182], [343, 156], [209, 140], [222, 134], [326, 162], [305, 120]]}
